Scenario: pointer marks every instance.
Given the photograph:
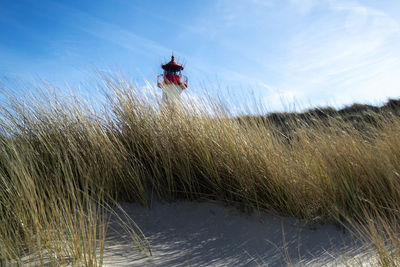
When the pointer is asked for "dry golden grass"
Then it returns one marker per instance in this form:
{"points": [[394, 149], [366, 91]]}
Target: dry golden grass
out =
{"points": [[62, 165]]}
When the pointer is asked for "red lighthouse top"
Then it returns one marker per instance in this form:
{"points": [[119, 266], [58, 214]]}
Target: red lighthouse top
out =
{"points": [[172, 65], [172, 75]]}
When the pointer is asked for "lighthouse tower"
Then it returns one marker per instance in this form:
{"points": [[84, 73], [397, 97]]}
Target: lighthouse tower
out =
{"points": [[172, 83]]}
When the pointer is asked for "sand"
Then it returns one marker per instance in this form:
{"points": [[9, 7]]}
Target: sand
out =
{"points": [[211, 234]]}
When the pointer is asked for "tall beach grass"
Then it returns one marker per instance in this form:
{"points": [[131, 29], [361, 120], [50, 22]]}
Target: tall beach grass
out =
{"points": [[63, 165]]}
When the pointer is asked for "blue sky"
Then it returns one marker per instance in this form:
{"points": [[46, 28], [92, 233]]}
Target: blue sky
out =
{"points": [[285, 54]]}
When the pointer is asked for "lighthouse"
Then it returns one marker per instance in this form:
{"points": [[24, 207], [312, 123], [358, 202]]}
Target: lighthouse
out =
{"points": [[172, 83]]}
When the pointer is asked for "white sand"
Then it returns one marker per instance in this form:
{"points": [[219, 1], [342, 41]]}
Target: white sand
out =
{"points": [[209, 234]]}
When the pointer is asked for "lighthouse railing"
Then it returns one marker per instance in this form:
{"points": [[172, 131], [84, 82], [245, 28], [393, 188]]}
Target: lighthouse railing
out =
{"points": [[184, 80], [161, 80]]}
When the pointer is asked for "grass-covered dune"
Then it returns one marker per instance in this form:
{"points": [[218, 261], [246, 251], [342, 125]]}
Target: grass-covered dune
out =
{"points": [[63, 165], [359, 115]]}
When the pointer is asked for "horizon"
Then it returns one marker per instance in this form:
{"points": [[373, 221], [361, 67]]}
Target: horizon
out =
{"points": [[284, 55]]}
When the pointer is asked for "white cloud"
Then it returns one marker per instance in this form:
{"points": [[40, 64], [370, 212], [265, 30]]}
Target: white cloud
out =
{"points": [[350, 53]]}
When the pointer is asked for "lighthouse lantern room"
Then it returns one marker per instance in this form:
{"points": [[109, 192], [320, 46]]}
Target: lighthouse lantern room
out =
{"points": [[172, 83]]}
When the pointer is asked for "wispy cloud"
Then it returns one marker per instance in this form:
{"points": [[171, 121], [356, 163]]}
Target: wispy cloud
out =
{"points": [[349, 54], [113, 33], [305, 6]]}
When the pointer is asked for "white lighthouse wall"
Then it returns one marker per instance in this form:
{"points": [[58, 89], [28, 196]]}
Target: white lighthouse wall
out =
{"points": [[171, 95]]}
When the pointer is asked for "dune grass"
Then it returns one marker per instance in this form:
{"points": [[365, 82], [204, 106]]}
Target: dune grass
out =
{"points": [[63, 165]]}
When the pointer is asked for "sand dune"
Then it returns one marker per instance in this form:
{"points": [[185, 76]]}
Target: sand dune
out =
{"points": [[209, 234]]}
